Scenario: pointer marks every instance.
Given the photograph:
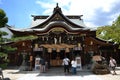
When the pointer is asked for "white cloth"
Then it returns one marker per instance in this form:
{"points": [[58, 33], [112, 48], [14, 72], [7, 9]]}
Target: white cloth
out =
{"points": [[66, 61], [74, 63], [112, 63]]}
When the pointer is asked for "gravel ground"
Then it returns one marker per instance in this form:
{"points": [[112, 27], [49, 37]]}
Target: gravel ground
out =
{"points": [[14, 74]]}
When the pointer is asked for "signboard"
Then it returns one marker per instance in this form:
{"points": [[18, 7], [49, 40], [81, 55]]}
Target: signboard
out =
{"points": [[79, 65], [37, 63]]}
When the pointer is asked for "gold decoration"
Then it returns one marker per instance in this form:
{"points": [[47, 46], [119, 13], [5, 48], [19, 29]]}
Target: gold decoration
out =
{"points": [[91, 43], [31, 58], [36, 45], [79, 45], [57, 29], [23, 44]]}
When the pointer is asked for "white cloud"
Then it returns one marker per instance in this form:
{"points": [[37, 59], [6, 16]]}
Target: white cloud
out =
{"points": [[87, 8]]}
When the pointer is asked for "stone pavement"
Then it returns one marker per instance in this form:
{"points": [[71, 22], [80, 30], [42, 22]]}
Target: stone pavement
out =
{"points": [[57, 73]]}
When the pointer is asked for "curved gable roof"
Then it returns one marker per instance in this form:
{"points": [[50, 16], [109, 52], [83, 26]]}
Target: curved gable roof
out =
{"points": [[57, 19], [61, 24], [76, 23]]}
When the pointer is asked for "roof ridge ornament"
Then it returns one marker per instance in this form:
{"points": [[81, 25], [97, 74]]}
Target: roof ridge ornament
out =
{"points": [[57, 5], [57, 8]]}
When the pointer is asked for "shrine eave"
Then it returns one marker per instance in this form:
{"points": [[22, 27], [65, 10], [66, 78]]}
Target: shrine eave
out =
{"points": [[102, 42]]}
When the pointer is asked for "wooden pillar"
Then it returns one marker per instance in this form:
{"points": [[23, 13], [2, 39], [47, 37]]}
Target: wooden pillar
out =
{"points": [[50, 59], [64, 54], [43, 54], [31, 61]]}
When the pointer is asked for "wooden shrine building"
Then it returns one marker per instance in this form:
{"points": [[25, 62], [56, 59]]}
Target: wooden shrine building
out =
{"points": [[60, 35]]}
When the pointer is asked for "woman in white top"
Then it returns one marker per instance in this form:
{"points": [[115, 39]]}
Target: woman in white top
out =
{"points": [[112, 64], [74, 65]]}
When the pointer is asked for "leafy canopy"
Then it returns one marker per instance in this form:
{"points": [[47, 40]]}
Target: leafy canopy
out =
{"points": [[30, 37], [110, 32], [3, 18]]}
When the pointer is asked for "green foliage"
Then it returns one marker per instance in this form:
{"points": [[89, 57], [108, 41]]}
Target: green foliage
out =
{"points": [[3, 18], [3, 60], [4, 65], [111, 32], [3, 33], [9, 49], [31, 37], [3, 54]]}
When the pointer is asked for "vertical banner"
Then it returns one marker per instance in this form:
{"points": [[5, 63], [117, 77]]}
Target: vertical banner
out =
{"points": [[79, 64]]}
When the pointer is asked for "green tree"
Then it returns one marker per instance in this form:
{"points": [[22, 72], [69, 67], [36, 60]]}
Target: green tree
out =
{"points": [[3, 55], [110, 32], [3, 21], [19, 38], [3, 18]]}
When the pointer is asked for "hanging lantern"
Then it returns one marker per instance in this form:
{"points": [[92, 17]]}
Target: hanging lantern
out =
{"points": [[23, 44], [43, 38], [91, 42], [36, 45], [71, 37], [60, 40], [49, 50], [67, 50], [31, 58], [79, 45]]}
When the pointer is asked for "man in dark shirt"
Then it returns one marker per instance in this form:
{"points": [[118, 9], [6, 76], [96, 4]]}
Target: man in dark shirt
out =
{"points": [[42, 62]]}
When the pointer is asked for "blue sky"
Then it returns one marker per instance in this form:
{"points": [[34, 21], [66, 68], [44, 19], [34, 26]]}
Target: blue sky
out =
{"points": [[95, 12]]}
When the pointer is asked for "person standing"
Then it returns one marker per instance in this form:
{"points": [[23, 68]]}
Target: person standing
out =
{"points": [[46, 65], [112, 64], [42, 62], [66, 65], [74, 66]]}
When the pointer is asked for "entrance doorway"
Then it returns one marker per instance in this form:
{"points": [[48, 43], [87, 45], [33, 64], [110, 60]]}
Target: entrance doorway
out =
{"points": [[56, 58]]}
